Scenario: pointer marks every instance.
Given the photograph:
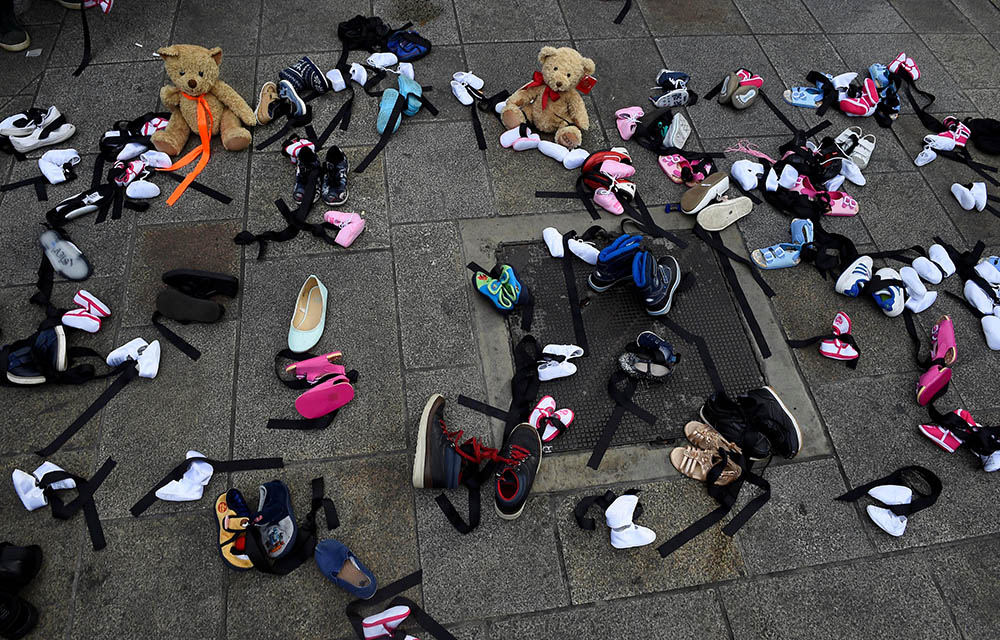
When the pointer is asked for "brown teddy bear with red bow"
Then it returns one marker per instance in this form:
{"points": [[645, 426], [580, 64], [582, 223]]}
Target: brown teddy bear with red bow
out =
{"points": [[551, 102]]}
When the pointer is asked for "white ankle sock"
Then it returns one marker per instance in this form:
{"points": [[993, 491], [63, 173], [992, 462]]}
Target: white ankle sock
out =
{"points": [[910, 278], [923, 303], [927, 270], [585, 251], [156, 159], [940, 257], [978, 298], [336, 79], [191, 486], [771, 182], [553, 150], [553, 240], [575, 158], [964, 196], [991, 329], [978, 192], [788, 176], [149, 360]]}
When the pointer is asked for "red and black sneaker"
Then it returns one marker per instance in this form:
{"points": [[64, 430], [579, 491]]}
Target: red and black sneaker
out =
{"points": [[519, 459], [440, 454]]}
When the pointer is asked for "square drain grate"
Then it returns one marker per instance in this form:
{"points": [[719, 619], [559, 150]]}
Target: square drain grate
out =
{"points": [[614, 318]]}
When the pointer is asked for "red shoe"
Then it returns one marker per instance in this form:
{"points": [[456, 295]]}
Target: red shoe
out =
{"points": [[749, 79], [944, 438]]}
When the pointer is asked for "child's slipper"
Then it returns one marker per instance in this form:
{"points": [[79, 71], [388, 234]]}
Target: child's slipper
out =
{"points": [[344, 569], [499, 295], [91, 304], [931, 383], [315, 369], [275, 519], [326, 397], [719, 215], [82, 320], [745, 96], [778, 256], [991, 329], [508, 279], [842, 204], [412, 91], [806, 97], [943, 345], [545, 407], [837, 349], [673, 165], [65, 257], [626, 120], [385, 109], [233, 518], [729, 84]]}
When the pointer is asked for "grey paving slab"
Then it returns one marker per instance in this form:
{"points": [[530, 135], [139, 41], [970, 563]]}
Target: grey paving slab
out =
{"points": [[159, 249], [676, 18], [272, 176], [450, 383], [597, 571], [433, 19], [857, 16], [794, 56], [965, 576], [151, 424], [872, 599], [41, 13], [380, 532], [120, 36], [428, 258], [94, 112], [707, 59], [520, 20], [777, 16], [456, 567], [62, 542], [289, 24], [455, 186], [881, 213], [929, 16], [873, 425], [21, 72], [358, 323], [626, 70], [145, 561], [198, 23], [983, 16], [637, 618], [595, 19], [970, 59], [801, 525], [987, 101], [859, 51]]}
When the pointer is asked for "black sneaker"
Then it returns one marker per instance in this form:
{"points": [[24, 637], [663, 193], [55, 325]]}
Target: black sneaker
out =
{"points": [[22, 368], [726, 416], [333, 183], [302, 171], [436, 463], [13, 37], [769, 415], [305, 74], [656, 281], [614, 263], [519, 458]]}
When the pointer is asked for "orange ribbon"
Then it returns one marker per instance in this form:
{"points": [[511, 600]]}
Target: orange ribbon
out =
{"points": [[204, 149]]}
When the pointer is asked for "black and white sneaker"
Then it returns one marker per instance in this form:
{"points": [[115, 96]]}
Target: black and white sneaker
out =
{"points": [[727, 416], [519, 460], [333, 183], [22, 368], [53, 129], [298, 106], [305, 74], [769, 415], [21, 124]]}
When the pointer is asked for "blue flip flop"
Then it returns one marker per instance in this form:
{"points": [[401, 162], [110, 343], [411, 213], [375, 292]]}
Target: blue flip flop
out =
{"points": [[385, 110], [805, 97], [778, 256]]}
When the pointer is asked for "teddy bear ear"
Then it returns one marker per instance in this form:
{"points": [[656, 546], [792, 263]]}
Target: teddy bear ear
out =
{"points": [[546, 53], [588, 66], [168, 52], [216, 54]]}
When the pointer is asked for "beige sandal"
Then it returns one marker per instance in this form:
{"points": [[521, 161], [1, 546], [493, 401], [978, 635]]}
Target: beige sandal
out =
{"points": [[705, 437]]}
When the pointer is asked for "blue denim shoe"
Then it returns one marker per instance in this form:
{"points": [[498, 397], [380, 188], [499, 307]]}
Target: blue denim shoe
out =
{"points": [[342, 568], [614, 263], [275, 519], [287, 91]]}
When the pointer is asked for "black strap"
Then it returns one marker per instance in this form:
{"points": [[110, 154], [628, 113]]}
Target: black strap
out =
{"points": [[573, 295], [473, 481], [477, 128], [183, 345], [218, 196], [397, 110], [304, 424], [38, 182], [846, 338], [392, 591], [84, 500], [218, 466], [623, 403], [701, 345], [482, 407], [646, 224], [85, 60], [624, 12], [342, 118], [900, 476], [602, 500]]}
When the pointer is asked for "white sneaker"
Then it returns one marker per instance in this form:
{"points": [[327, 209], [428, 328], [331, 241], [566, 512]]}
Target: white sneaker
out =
{"points": [[964, 196], [469, 78], [44, 136], [129, 350], [382, 60], [585, 251], [460, 91], [625, 534], [887, 520], [567, 351], [551, 369], [385, 623], [149, 360], [991, 462], [925, 157]]}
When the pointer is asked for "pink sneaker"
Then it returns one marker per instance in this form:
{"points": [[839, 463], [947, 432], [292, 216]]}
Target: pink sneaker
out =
{"points": [[943, 341], [617, 169], [313, 369], [350, 224], [607, 200], [895, 64], [746, 78], [837, 349], [944, 438], [839, 202], [626, 120], [931, 383], [556, 423]]}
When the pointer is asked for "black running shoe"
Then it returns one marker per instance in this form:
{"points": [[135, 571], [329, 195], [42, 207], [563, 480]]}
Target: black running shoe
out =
{"points": [[614, 263], [769, 415], [436, 464], [333, 184], [519, 460], [656, 281], [727, 417]]}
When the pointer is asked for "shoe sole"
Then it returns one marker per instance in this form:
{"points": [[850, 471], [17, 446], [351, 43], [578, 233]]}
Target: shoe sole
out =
{"points": [[514, 516], [14, 48], [420, 454], [717, 188], [795, 423], [600, 289], [719, 215], [49, 141], [334, 203]]}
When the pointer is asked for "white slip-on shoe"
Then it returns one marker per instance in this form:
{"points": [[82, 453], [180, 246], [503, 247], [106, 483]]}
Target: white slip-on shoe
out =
{"points": [[91, 304], [850, 170], [142, 190], [568, 351], [978, 298], [991, 462], [553, 241], [129, 350], [510, 136], [925, 157], [64, 256], [892, 494], [978, 190], [460, 91], [469, 78], [835, 183], [583, 250], [156, 159], [56, 165], [526, 143], [43, 137], [988, 272], [887, 520], [23, 123], [149, 360], [552, 369], [384, 624], [928, 270], [27, 489], [382, 60], [771, 182], [359, 74]]}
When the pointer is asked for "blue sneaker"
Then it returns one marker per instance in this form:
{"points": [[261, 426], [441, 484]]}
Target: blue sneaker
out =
{"points": [[22, 368], [802, 231], [275, 519], [656, 281], [385, 110], [880, 74], [287, 91], [342, 568], [889, 298], [614, 263], [855, 277], [649, 340]]}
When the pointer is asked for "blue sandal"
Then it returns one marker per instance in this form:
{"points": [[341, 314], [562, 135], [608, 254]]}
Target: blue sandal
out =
{"points": [[778, 256], [806, 97]]}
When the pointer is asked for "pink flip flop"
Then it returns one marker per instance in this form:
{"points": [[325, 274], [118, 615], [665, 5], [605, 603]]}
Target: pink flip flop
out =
{"points": [[943, 345], [326, 397], [314, 369], [837, 349], [931, 383]]}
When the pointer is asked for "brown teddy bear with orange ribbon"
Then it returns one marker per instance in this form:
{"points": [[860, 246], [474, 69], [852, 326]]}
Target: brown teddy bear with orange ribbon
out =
{"points": [[200, 102], [551, 102]]}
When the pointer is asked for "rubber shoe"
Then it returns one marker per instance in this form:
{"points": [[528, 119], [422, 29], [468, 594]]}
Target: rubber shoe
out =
{"points": [[771, 417], [728, 417], [614, 263], [333, 182], [656, 281], [855, 277], [519, 461], [509, 281], [436, 465]]}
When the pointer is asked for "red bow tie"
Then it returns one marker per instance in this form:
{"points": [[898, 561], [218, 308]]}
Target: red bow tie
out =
{"points": [[538, 80]]}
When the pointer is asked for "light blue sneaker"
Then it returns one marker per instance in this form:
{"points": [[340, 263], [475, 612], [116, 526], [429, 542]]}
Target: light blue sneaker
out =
{"points": [[803, 231], [385, 110], [411, 90], [880, 74], [855, 277]]}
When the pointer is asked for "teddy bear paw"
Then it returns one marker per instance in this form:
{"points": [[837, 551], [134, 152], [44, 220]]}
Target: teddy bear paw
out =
{"points": [[236, 139]]}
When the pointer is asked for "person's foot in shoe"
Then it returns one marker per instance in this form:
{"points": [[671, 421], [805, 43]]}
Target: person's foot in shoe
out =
{"points": [[518, 464], [13, 36], [333, 184], [771, 417], [727, 416]]}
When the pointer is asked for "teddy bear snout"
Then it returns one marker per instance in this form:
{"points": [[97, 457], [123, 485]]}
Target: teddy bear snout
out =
{"points": [[192, 83], [559, 85]]}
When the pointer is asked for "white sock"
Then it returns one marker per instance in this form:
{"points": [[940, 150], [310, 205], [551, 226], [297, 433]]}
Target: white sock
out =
{"points": [[964, 196], [191, 486], [508, 137], [585, 251], [575, 158], [48, 467], [336, 79], [911, 279], [978, 298], [358, 74], [892, 494], [156, 159], [149, 360], [747, 173], [130, 151], [771, 182], [788, 176], [921, 304], [142, 190], [553, 240], [553, 150], [991, 329], [128, 350], [928, 270], [887, 520], [978, 192], [835, 182], [939, 256], [27, 489], [989, 273]]}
